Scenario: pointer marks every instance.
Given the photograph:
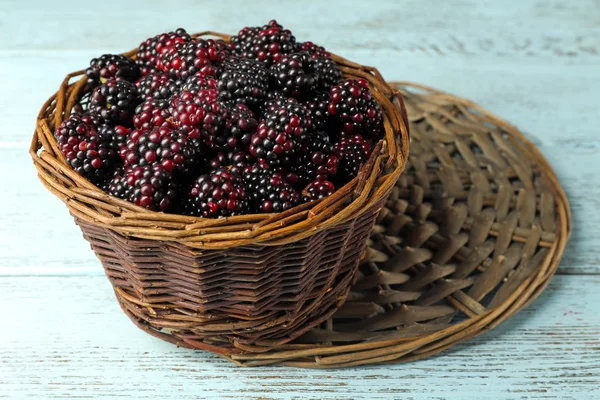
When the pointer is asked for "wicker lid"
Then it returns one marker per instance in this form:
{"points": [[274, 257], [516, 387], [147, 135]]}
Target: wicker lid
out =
{"points": [[472, 232]]}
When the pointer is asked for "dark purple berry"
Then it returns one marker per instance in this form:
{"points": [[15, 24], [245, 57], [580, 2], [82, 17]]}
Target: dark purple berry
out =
{"points": [[112, 66]]}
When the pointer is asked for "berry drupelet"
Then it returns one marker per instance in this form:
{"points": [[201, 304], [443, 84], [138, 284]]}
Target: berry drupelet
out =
{"points": [[220, 193], [114, 102], [268, 191], [196, 55], [152, 187], [354, 106], [112, 66], [149, 51], [352, 152], [317, 189], [293, 75], [156, 86], [285, 125], [243, 81]]}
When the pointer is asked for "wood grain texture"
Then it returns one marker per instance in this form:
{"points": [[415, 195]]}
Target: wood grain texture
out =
{"points": [[68, 339], [535, 63]]}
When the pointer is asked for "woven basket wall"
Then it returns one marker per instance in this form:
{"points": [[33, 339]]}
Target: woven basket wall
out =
{"points": [[222, 284]]}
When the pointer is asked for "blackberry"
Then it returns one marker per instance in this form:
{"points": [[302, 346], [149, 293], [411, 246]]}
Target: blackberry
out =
{"points": [[293, 75], [149, 51], [268, 191], [72, 129], [327, 71], [268, 45], [156, 86], [116, 136], [163, 145], [238, 126], [318, 189], [88, 153], [354, 106], [151, 113], [199, 81], [112, 66], [235, 161], [197, 55], [198, 115], [318, 107], [241, 42], [285, 125], [352, 152], [314, 159], [314, 50], [220, 193], [152, 187], [94, 158], [273, 98], [243, 81], [114, 102], [119, 187]]}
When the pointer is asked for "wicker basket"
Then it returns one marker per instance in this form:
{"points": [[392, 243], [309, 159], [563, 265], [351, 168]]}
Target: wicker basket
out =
{"points": [[221, 284]]}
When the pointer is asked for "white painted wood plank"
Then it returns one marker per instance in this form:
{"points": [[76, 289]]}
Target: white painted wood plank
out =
{"points": [[67, 337], [512, 27]]}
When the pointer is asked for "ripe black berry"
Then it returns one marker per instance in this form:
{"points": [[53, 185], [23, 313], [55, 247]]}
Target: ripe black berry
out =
{"points": [[243, 81], [156, 86], [293, 75], [198, 115], [153, 187], [88, 153], [313, 159], [219, 193], [268, 191], [238, 126], [199, 81], [114, 102], [352, 152], [235, 161], [317, 190], [150, 51], [314, 50], [354, 106], [279, 134], [117, 186], [151, 113], [318, 106], [267, 44], [327, 71], [163, 145], [112, 66], [196, 55]]}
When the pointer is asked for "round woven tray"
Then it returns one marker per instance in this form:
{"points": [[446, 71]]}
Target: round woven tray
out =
{"points": [[472, 232]]}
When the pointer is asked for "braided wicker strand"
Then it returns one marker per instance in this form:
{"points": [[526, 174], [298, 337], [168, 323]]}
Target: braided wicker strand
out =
{"points": [[226, 284]]}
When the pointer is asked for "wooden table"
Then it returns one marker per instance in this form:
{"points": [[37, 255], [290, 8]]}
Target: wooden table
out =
{"points": [[537, 64]]}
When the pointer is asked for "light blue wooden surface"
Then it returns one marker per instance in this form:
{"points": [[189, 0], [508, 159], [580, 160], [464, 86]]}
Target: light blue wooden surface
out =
{"points": [[535, 63]]}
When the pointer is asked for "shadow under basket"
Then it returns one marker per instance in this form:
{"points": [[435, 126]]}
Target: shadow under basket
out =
{"points": [[224, 284]]}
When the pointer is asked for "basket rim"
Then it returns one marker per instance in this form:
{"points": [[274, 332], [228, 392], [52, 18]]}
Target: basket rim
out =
{"points": [[88, 202]]}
